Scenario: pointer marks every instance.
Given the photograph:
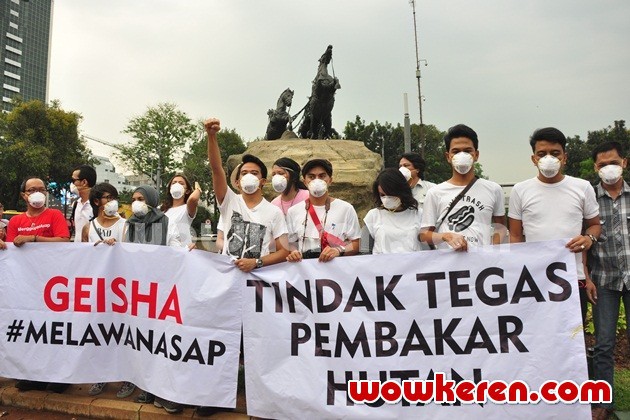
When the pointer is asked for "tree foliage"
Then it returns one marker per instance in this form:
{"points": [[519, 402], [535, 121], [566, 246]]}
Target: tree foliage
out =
{"points": [[160, 134], [579, 160], [377, 136], [38, 140]]}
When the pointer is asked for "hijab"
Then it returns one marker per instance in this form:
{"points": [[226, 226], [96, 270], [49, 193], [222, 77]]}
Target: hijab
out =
{"points": [[152, 227]]}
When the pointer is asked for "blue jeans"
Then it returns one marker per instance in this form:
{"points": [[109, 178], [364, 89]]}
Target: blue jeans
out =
{"points": [[605, 315]]}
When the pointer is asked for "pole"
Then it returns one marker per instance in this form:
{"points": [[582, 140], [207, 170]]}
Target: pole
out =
{"points": [[407, 131], [418, 75]]}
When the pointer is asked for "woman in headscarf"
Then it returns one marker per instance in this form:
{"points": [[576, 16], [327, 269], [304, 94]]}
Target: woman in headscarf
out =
{"points": [[148, 224]]}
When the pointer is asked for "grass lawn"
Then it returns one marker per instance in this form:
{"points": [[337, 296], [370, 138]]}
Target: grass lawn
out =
{"points": [[622, 389]]}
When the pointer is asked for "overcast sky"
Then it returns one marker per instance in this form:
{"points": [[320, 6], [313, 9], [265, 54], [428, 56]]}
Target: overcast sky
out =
{"points": [[502, 67]]}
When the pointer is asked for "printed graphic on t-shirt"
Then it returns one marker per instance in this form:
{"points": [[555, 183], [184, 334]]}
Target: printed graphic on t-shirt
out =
{"points": [[105, 233], [461, 219], [244, 239]]}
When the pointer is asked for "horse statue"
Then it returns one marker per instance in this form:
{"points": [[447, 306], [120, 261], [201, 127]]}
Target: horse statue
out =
{"points": [[279, 117], [317, 123]]}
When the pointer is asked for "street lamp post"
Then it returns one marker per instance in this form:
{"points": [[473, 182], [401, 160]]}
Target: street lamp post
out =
{"points": [[418, 76]]}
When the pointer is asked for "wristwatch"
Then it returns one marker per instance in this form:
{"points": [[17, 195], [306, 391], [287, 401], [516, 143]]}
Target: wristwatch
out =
{"points": [[592, 238], [259, 262], [342, 250]]}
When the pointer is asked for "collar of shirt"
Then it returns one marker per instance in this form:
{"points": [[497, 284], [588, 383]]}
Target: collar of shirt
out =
{"points": [[600, 191]]}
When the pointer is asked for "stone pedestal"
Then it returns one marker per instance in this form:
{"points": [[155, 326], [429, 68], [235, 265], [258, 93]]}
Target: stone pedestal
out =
{"points": [[354, 166]]}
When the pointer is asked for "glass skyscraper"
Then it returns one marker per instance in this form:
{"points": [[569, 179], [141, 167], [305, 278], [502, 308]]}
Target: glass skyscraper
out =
{"points": [[25, 29]]}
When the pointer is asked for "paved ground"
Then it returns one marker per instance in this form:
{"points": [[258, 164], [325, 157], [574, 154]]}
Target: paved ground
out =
{"points": [[75, 403]]}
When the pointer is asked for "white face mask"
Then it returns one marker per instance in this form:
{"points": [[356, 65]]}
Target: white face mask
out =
{"points": [[462, 162], [279, 183], [177, 191], [549, 166], [406, 172], [249, 183], [317, 187], [37, 199], [390, 202], [74, 189], [111, 208], [610, 174], [139, 208]]}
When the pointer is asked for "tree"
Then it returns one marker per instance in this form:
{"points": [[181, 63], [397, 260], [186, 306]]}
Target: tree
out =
{"points": [[196, 167], [375, 135], [38, 140], [160, 133]]}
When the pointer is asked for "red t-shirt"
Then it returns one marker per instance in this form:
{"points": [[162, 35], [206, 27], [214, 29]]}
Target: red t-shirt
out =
{"points": [[49, 224]]}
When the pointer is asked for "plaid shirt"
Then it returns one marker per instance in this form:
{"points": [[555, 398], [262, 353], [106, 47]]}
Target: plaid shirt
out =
{"points": [[609, 259]]}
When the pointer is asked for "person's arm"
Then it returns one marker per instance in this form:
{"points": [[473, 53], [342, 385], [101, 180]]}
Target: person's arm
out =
{"points": [[22, 239], [582, 243], [85, 233], [591, 289], [2, 245], [278, 256], [193, 201], [516, 230], [500, 230], [219, 180]]}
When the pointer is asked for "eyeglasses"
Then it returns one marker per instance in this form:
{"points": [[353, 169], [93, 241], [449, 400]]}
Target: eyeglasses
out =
{"points": [[34, 190], [75, 180], [108, 197]]}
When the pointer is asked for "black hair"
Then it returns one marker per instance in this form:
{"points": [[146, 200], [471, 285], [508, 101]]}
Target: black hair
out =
{"points": [[97, 192], [168, 201], [313, 163], [393, 183], [460, 130], [550, 134], [294, 173], [88, 173], [28, 178], [417, 161], [251, 159], [605, 147]]}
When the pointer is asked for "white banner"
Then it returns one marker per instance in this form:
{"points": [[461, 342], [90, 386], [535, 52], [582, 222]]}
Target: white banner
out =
{"points": [[166, 319], [498, 313]]}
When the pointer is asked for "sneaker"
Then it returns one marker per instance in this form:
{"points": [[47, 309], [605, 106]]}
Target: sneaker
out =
{"points": [[126, 390], [24, 385], [171, 407], [57, 387], [97, 388], [145, 397]]}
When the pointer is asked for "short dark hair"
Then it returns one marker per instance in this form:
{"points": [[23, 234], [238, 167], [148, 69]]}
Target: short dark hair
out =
{"points": [[28, 178], [393, 182], [550, 134], [294, 170], [313, 163], [88, 173], [460, 130], [247, 158], [605, 147], [98, 191], [416, 160]]}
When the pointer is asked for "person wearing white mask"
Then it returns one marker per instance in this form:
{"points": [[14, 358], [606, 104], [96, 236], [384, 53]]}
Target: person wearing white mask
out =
{"points": [[180, 206], [255, 232], [148, 224], [609, 261], [412, 167], [394, 224], [38, 223], [555, 206], [463, 211], [83, 179], [323, 227], [285, 179]]}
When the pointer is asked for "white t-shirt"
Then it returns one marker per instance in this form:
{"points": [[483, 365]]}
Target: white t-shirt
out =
{"points": [[181, 221], [116, 231], [394, 232], [553, 211], [341, 221], [82, 215], [250, 233], [420, 190], [472, 215]]}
